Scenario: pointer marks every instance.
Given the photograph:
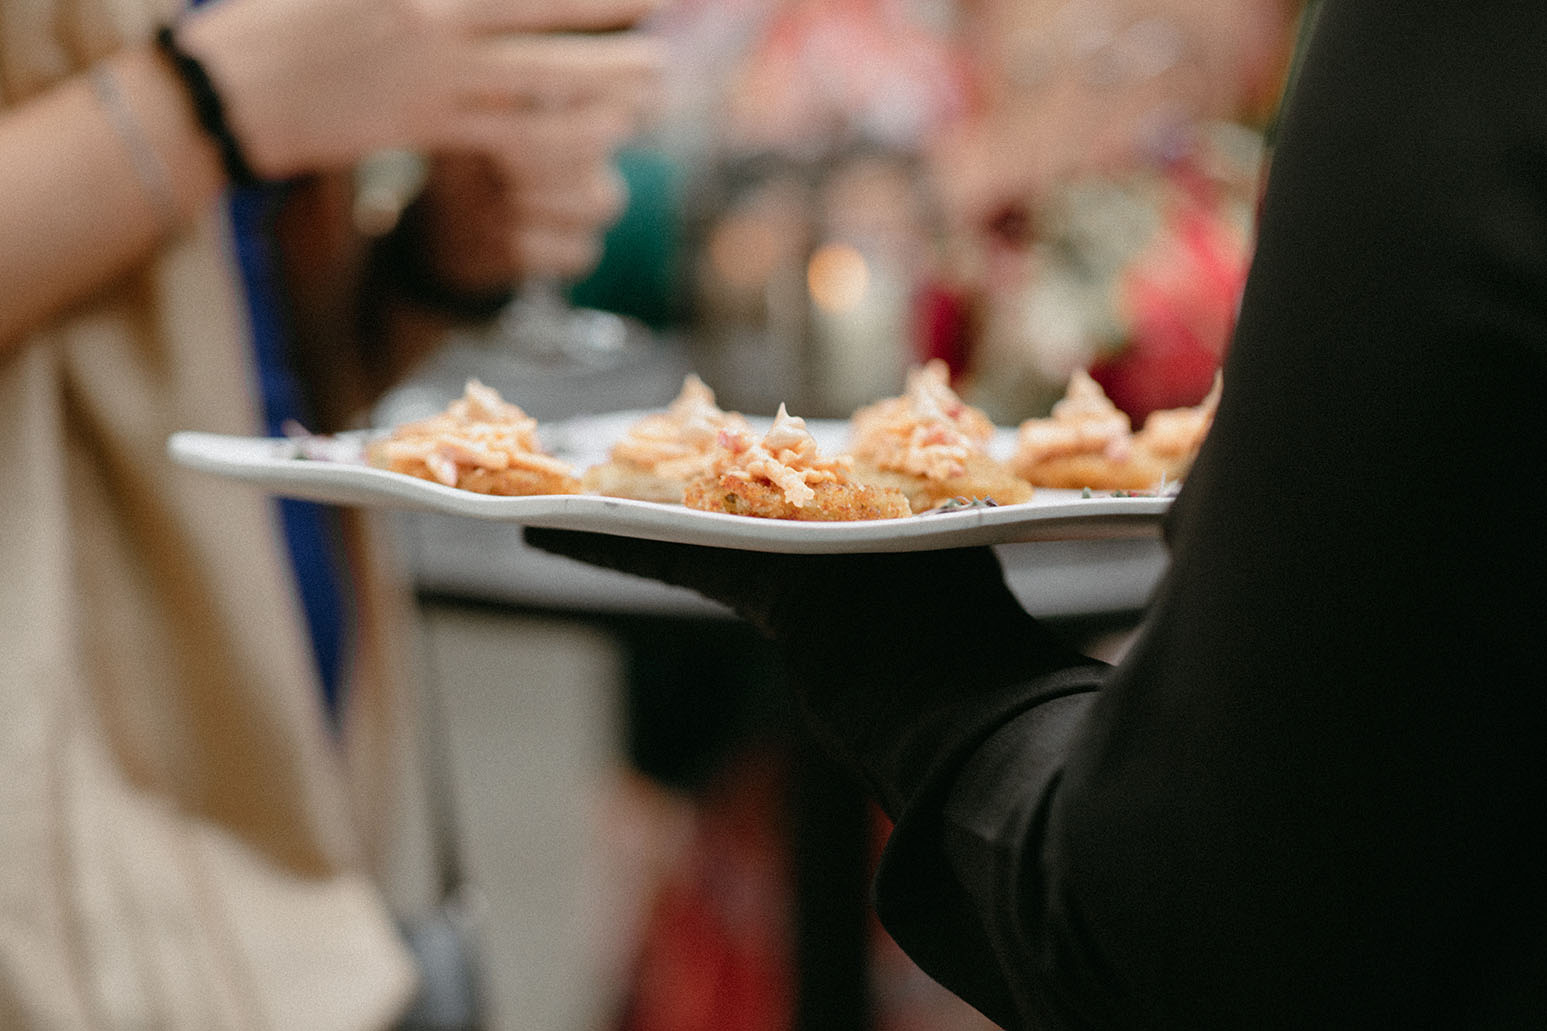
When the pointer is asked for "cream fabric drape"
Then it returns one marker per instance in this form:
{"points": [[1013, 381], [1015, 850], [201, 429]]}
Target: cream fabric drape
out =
{"points": [[178, 847]]}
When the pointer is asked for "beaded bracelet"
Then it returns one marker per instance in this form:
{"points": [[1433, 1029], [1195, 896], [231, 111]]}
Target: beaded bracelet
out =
{"points": [[207, 106], [149, 169]]}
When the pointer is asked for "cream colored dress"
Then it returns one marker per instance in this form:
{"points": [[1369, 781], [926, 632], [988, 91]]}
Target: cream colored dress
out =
{"points": [[179, 845]]}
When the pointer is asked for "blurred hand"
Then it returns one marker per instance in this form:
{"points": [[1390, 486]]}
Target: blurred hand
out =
{"points": [[314, 84], [537, 210]]}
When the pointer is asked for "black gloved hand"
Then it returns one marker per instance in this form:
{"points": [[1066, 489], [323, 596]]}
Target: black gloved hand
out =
{"points": [[891, 655], [783, 594]]}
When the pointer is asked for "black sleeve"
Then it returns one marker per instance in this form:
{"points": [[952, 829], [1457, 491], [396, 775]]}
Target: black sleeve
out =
{"points": [[1314, 793]]}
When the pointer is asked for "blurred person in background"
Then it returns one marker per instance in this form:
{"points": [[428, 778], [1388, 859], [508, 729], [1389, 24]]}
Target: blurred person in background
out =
{"points": [[1310, 793], [1099, 195], [189, 841], [1075, 88]]}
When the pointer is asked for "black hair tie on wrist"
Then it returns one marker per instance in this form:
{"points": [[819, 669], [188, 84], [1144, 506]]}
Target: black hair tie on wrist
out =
{"points": [[207, 106]]}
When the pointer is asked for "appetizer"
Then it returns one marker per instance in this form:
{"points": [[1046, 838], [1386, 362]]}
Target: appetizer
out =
{"points": [[662, 452], [931, 445], [1087, 442], [1174, 435], [782, 476], [480, 443]]}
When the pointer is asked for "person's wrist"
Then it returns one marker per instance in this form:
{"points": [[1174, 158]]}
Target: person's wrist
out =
{"points": [[157, 103], [209, 106]]}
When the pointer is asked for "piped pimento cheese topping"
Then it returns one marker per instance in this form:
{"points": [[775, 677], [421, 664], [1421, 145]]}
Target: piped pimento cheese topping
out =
{"points": [[929, 431], [1179, 432], [677, 443], [787, 457], [1083, 422], [479, 430]]}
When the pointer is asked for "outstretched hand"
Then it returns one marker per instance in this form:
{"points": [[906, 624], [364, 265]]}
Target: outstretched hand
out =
{"points": [[889, 654], [852, 618], [318, 84], [783, 594]]}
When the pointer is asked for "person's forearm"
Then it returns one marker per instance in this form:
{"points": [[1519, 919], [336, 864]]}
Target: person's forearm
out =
{"points": [[93, 181]]}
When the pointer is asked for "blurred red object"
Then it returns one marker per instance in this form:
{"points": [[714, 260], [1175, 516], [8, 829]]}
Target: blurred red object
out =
{"points": [[716, 949], [1180, 301], [943, 317]]}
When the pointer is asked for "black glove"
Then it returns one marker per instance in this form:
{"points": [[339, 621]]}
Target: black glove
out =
{"points": [[891, 655]]}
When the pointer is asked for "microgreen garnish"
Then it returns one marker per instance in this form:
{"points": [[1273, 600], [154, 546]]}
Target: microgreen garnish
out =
{"points": [[960, 502]]}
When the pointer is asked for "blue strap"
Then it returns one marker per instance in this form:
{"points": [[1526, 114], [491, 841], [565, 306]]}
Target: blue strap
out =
{"points": [[311, 530]]}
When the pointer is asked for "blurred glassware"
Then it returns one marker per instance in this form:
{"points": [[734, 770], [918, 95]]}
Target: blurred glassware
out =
{"points": [[619, 310], [541, 325]]}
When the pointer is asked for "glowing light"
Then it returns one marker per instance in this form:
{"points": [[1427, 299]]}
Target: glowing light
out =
{"points": [[837, 277]]}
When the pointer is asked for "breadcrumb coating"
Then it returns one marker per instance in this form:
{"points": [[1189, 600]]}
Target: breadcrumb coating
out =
{"points": [[480, 443], [931, 445], [658, 455], [783, 476], [1086, 441]]}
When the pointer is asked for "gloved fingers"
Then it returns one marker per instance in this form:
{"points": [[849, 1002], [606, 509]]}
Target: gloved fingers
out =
{"points": [[749, 583], [781, 593], [654, 560]]}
